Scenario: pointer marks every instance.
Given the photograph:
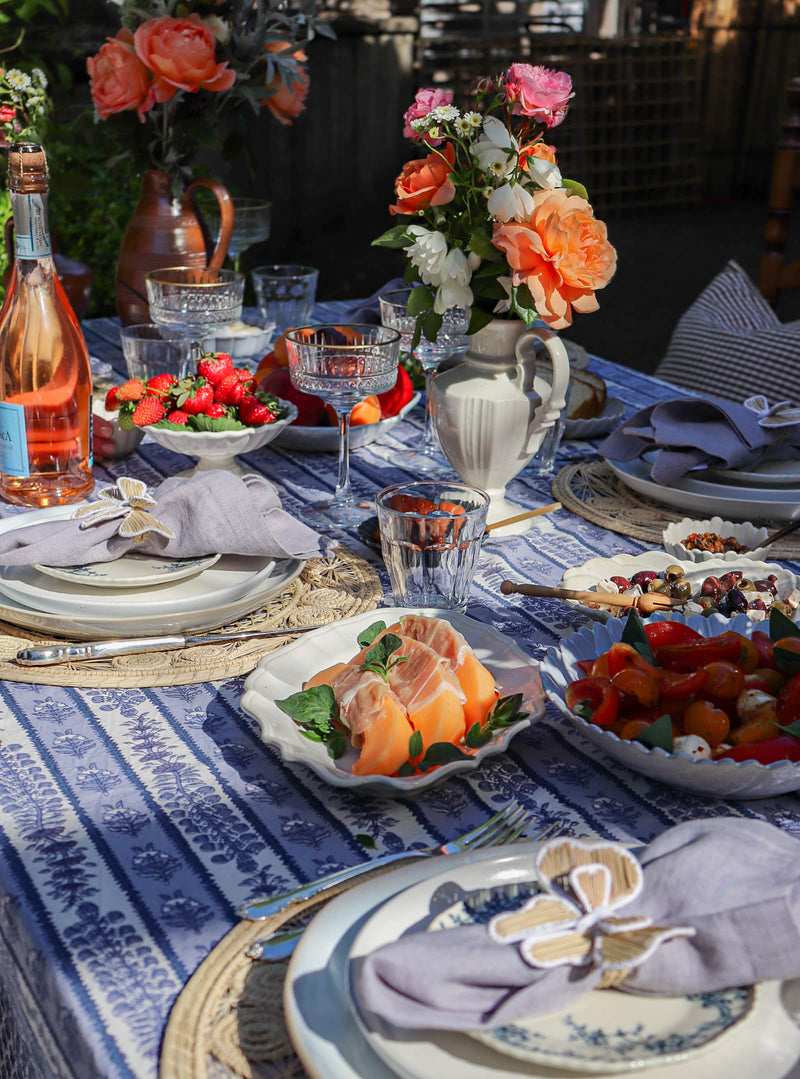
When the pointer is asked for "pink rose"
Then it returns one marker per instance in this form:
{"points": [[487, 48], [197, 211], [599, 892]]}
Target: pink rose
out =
{"points": [[426, 100], [7, 114], [181, 53], [539, 92], [119, 81]]}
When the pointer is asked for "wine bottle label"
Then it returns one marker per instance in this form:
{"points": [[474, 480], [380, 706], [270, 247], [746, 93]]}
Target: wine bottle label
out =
{"points": [[13, 440], [31, 234]]}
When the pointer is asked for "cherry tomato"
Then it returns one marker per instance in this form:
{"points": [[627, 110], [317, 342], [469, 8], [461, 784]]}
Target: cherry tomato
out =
{"points": [[706, 721], [759, 729], [633, 728], [622, 656], [595, 699], [765, 650], [788, 707], [767, 679], [678, 684], [781, 748], [640, 685], [725, 680]]}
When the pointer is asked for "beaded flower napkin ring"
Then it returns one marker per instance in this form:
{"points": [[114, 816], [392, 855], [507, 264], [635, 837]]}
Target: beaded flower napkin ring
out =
{"points": [[574, 921], [129, 500]]}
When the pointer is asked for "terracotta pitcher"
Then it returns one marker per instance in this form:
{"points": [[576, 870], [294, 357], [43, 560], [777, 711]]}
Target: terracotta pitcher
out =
{"points": [[165, 231]]}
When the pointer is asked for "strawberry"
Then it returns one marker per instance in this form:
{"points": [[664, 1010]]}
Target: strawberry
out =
{"points": [[132, 390], [196, 397], [176, 416], [111, 399], [148, 410], [246, 378], [216, 411], [254, 413], [160, 385], [214, 366], [230, 391]]}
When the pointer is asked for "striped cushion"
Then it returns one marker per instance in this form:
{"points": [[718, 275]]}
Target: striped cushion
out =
{"points": [[731, 344]]}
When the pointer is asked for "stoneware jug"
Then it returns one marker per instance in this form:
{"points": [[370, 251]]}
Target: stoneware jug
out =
{"points": [[166, 231], [493, 411]]}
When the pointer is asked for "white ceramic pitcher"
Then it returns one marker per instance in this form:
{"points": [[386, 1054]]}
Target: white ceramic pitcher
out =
{"points": [[493, 411]]}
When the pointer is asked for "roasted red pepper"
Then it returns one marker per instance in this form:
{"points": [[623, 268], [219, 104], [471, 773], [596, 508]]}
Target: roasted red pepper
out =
{"points": [[694, 654], [788, 706], [677, 684], [596, 699], [664, 633], [781, 748]]}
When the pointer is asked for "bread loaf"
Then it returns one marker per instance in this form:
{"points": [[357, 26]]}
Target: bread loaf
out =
{"points": [[587, 395]]}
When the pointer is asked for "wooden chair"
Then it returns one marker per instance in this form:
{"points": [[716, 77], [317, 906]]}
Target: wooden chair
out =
{"points": [[776, 274]]}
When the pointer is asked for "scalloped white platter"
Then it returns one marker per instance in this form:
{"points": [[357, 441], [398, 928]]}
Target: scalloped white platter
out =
{"points": [[130, 571], [606, 1032], [284, 672], [715, 779], [612, 415], [625, 565], [326, 439], [780, 504]]}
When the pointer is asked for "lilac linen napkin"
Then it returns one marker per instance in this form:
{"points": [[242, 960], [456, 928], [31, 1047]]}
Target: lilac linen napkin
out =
{"points": [[369, 310], [692, 432], [212, 512], [735, 881]]}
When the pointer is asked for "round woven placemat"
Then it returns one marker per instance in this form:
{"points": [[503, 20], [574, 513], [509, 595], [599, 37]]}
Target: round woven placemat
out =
{"points": [[592, 490], [326, 591]]}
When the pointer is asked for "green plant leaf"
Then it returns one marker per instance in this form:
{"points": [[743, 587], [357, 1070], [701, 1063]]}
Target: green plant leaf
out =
{"points": [[395, 238], [415, 746], [791, 728], [781, 626], [658, 735], [379, 658], [634, 635], [431, 324], [314, 708], [476, 736], [788, 661], [365, 840], [478, 319], [420, 300], [575, 187], [441, 753], [368, 635]]}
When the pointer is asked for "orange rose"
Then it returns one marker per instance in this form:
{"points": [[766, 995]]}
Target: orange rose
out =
{"points": [[288, 99], [425, 182], [119, 81], [561, 252], [181, 54]]}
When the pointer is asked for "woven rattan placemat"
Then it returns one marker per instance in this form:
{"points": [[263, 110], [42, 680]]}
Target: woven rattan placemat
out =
{"points": [[326, 591], [592, 490]]}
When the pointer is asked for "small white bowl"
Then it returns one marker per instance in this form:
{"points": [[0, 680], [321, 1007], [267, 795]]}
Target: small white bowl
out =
{"points": [[218, 449], [125, 442], [745, 534], [240, 340]]}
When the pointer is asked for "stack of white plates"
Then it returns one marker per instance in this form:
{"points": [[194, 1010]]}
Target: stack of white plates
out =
{"points": [[770, 491], [137, 595]]}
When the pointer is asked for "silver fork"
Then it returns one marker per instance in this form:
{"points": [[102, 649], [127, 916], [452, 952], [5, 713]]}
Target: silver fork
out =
{"points": [[281, 943], [510, 822]]}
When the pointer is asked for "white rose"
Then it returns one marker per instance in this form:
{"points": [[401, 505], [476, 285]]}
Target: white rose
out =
{"points": [[496, 150], [427, 253], [454, 290], [511, 202], [544, 173]]}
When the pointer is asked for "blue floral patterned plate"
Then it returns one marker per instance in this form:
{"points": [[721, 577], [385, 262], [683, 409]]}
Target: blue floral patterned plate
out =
{"points": [[594, 1036]]}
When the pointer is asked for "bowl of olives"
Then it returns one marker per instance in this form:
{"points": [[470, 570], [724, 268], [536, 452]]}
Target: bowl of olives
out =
{"points": [[700, 541], [715, 586]]}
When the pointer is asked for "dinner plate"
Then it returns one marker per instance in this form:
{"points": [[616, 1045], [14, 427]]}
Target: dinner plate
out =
{"points": [[612, 415], [737, 504], [278, 676], [586, 576], [331, 1045], [326, 439], [226, 581], [784, 473], [602, 1032], [130, 571], [724, 778]]}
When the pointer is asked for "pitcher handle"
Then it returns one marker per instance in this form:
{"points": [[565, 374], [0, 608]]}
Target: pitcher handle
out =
{"points": [[220, 192], [553, 403]]}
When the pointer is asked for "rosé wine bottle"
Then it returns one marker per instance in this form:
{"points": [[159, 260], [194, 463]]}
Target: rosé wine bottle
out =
{"points": [[45, 377]]}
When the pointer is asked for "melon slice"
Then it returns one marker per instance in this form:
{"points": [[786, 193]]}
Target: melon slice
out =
{"points": [[378, 723], [475, 680], [430, 692]]}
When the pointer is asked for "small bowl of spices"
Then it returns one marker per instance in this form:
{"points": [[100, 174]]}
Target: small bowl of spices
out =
{"points": [[699, 541]]}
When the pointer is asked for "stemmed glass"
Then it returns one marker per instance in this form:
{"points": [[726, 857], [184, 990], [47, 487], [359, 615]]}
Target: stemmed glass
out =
{"points": [[252, 219], [196, 302], [450, 341], [342, 365]]}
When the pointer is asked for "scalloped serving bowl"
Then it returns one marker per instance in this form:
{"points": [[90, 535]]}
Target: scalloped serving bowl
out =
{"points": [[218, 449], [747, 535], [715, 779]]}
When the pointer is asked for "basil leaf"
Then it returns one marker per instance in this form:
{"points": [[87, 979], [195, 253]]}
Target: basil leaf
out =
{"points": [[368, 635], [634, 635], [781, 626], [415, 746], [313, 708], [658, 735]]}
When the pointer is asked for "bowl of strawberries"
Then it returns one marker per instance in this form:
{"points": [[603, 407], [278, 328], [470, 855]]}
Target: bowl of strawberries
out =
{"points": [[214, 413]]}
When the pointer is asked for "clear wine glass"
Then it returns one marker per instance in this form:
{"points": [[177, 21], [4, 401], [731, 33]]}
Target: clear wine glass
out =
{"points": [[343, 365], [252, 220], [450, 341], [196, 302]]}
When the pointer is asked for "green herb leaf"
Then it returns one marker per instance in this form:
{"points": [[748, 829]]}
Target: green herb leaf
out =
{"points": [[505, 711], [365, 840], [368, 635], [791, 728], [788, 661], [337, 746], [781, 626], [315, 709], [476, 736], [575, 187], [658, 735], [415, 746], [634, 635], [379, 658], [407, 769], [441, 753]]}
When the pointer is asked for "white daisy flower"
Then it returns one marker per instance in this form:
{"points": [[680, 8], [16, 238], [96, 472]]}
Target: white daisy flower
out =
{"points": [[475, 119], [488, 192], [18, 79], [444, 113], [422, 124], [463, 126], [40, 77]]}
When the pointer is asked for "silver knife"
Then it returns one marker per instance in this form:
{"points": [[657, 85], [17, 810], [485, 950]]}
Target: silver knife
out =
{"points": [[72, 653]]}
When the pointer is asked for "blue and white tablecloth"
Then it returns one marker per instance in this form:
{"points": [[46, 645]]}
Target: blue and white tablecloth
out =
{"points": [[132, 822]]}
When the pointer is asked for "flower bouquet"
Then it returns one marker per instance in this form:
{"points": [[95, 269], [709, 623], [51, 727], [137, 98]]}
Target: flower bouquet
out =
{"points": [[488, 222], [180, 72]]}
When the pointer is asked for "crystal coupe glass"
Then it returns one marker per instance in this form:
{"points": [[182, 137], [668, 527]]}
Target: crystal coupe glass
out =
{"points": [[451, 341], [342, 365], [197, 302], [252, 220]]}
